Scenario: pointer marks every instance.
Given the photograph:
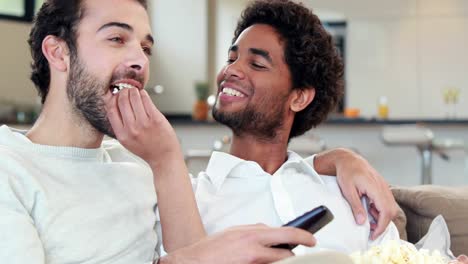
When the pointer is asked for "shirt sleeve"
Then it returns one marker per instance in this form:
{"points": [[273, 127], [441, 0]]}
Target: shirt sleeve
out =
{"points": [[194, 181], [310, 160], [19, 239], [159, 246]]}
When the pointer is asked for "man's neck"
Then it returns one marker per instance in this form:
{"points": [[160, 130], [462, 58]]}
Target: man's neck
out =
{"points": [[57, 125], [269, 154]]}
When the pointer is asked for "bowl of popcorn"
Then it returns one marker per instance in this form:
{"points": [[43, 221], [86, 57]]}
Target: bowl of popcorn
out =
{"points": [[395, 252]]}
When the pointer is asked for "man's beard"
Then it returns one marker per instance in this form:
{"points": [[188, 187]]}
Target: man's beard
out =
{"points": [[86, 92], [263, 125]]}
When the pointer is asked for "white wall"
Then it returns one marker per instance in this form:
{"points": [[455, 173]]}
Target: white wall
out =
{"points": [[15, 64], [228, 12], [181, 55], [407, 50]]}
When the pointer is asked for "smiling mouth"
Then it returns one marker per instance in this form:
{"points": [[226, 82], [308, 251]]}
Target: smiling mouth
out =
{"points": [[116, 88], [232, 92]]}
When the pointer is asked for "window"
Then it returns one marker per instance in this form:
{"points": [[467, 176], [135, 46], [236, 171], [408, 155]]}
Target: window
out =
{"points": [[338, 31], [19, 10]]}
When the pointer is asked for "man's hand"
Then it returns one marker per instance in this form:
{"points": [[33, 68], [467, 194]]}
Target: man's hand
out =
{"points": [[462, 259], [356, 177], [143, 130], [246, 244], [141, 127]]}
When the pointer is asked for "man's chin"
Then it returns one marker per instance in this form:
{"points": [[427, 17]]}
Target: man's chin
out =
{"points": [[231, 120], [219, 116], [223, 112]]}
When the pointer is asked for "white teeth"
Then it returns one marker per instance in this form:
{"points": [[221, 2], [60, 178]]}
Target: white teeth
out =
{"points": [[232, 92], [120, 86]]}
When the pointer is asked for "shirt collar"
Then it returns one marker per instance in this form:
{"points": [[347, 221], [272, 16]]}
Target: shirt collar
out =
{"points": [[219, 167], [300, 165], [222, 164], [17, 139]]}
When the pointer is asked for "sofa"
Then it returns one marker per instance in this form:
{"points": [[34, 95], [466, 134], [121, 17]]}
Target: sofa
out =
{"points": [[421, 204]]}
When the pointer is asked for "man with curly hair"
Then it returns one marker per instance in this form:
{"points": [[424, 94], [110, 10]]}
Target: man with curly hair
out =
{"points": [[282, 77]]}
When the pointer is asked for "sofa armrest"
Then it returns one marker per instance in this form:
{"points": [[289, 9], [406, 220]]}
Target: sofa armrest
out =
{"points": [[400, 223]]}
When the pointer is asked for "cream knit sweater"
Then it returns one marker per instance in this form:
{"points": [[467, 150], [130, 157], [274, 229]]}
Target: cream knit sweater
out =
{"points": [[71, 205]]}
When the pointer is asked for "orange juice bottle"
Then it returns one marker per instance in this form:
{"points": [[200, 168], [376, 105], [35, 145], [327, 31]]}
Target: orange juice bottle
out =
{"points": [[383, 108]]}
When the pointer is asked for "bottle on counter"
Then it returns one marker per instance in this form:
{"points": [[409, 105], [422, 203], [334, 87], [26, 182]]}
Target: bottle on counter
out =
{"points": [[382, 109]]}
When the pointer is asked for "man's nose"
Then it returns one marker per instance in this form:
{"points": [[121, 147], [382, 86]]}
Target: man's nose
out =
{"points": [[137, 60], [235, 70]]}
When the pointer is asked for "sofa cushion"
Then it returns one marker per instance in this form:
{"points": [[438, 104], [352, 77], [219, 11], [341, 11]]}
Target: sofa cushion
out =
{"points": [[422, 204]]}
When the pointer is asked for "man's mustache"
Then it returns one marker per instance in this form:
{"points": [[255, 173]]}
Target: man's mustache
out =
{"points": [[133, 75]]}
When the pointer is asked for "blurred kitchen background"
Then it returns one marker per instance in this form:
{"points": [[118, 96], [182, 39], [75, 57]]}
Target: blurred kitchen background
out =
{"points": [[405, 107]]}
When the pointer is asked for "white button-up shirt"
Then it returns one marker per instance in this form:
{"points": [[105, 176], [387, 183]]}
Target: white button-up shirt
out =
{"points": [[233, 192]]}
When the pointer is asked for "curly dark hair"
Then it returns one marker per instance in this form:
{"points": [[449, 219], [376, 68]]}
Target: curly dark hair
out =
{"points": [[310, 54], [58, 18]]}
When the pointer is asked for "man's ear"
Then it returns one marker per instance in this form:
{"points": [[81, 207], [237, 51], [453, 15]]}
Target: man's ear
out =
{"points": [[56, 52], [301, 98]]}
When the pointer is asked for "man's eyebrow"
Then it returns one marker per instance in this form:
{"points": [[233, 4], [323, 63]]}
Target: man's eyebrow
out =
{"points": [[116, 24], [263, 53], [150, 39], [126, 27], [233, 48]]}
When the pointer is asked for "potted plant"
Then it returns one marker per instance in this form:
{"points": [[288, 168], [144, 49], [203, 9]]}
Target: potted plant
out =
{"points": [[201, 107]]}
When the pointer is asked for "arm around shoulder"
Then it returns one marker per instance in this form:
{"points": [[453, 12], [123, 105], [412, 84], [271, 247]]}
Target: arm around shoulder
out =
{"points": [[356, 178]]}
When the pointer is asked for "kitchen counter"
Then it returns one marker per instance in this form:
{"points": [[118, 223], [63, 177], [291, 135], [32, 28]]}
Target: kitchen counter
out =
{"points": [[334, 120], [337, 120]]}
